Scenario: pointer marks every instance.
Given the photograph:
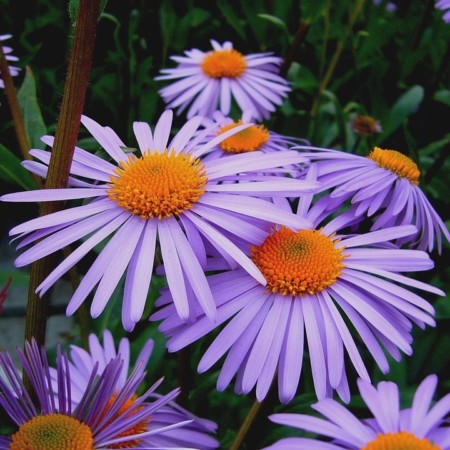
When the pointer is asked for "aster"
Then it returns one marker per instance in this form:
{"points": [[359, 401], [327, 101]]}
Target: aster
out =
{"points": [[316, 280], [9, 57], [107, 416], [208, 81], [444, 5], [420, 427], [386, 183], [164, 192], [82, 362]]}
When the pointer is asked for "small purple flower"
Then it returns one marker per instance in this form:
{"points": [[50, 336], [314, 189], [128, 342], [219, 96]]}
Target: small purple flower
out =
{"points": [[164, 191], [208, 81], [420, 427], [316, 281], [444, 5], [195, 431], [108, 415], [386, 182], [7, 51]]}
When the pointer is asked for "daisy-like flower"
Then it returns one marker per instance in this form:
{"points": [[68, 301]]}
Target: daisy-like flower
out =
{"points": [[444, 5], [7, 51], [196, 431], [163, 191], [385, 182], [106, 417], [210, 81], [254, 138], [420, 427], [315, 281]]}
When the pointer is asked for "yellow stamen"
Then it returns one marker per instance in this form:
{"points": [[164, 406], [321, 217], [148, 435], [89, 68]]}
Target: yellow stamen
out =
{"points": [[158, 184], [298, 263], [248, 140], [224, 63], [396, 162], [52, 432], [402, 440], [140, 427]]}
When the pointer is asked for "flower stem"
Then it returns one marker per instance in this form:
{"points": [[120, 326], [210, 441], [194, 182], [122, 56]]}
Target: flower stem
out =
{"points": [[246, 425], [65, 139], [299, 37]]}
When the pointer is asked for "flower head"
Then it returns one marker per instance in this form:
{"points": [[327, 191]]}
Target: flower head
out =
{"points": [[444, 5], [7, 51], [386, 183], [164, 191], [108, 415], [316, 280], [194, 433], [420, 427], [208, 81], [365, 125]]}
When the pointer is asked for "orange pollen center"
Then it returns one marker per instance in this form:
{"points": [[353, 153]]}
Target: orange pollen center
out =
{"points": [[52, 432], [396, 162], [158, 184], [140, 427], [248, 140], [402, 440], [298, 263], [224, 63]]}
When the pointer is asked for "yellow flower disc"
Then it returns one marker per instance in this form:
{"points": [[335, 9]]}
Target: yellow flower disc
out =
{"points": [[396, 162], [298, 263], [53, 432], [402, 440], [224, 63], [158, 184], [248, 140]]}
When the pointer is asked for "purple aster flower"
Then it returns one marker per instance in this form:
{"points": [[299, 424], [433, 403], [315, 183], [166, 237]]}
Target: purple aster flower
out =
{"points": [[193, 434], [210, 81], [444, 5], [420, 427], [163, 191], [385, 182], [316, 280], [107, 415], [7, 51]]}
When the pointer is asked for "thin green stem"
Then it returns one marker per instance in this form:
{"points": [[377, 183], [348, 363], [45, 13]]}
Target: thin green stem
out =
{"points": [[65, 139], [246, 425]]}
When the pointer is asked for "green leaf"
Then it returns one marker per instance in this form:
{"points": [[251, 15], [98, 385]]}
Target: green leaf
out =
{"points": [[276, 21], [230, 16], [11, 170], [406, 105], [443, 96], [31, 112]]}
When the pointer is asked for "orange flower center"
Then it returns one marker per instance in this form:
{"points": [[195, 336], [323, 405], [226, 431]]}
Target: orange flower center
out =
{"points": [[402, 440], [158, 184], [396, 162], [139, 428], [298, 263], [248, 140], [52, 432], [224, 63]]}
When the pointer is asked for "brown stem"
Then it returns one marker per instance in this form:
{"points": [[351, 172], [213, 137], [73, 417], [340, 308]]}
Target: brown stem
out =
{"points": [[65, 139], [336, 56], [16, 114], [300, 34], [245, 427]]}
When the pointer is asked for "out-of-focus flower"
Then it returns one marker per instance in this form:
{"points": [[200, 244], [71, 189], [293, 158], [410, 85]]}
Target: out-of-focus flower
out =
{"points": [[365, 125], [316, 280], [107, 416], [444, 5], [385, 182], [195, 432], [420, 427], [208, 81], [166, 191], [389, 6], [7, 51]]}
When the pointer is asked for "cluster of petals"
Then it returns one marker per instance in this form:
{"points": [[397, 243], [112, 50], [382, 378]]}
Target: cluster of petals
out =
{"points": [[105, 413], [444, 5], [423, 425], [258, 87], [9, 57], [182, 239], [266, 332]]}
